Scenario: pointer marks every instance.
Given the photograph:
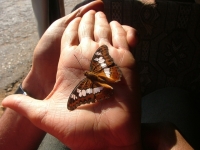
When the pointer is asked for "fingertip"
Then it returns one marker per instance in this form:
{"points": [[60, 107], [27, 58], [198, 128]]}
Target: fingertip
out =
{"points": [[119, 35], [70, 35], [100, 14], [95, 5], [129, 34], [132, 36]]}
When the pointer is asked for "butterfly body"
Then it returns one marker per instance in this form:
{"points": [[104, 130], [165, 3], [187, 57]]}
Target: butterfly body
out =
{"points": [[95, 87], [98, 79]]}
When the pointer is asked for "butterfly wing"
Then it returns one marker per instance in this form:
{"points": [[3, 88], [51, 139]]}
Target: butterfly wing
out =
{"points": [[86, 92], [102, 70], [103, 65]]}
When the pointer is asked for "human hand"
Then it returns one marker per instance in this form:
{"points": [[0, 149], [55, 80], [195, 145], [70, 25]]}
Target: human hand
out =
{"points": [[110, 124], [41, 79]]}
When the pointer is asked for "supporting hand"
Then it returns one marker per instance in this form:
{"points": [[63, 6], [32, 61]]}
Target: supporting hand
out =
{"points": [[113, 123]]}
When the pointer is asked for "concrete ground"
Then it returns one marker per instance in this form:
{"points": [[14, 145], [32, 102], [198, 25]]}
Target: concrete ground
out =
{"points": [[18, 38]]}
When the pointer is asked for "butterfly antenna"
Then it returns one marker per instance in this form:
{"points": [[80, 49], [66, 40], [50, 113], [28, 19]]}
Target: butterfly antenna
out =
{"points": [[78, 62]]}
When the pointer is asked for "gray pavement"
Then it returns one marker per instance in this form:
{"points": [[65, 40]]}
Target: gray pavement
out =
{"points": [[18, 38]]}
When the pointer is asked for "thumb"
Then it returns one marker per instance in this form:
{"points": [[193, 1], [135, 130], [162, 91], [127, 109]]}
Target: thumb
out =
{"points": [[29, 107]]}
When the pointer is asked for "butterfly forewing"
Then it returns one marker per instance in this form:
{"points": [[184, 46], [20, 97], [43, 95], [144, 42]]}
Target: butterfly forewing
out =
{"points": [[90, 89], [101, 59]]}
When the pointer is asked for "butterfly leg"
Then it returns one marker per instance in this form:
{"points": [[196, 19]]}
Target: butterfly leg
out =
{"points": [[104, 85]]}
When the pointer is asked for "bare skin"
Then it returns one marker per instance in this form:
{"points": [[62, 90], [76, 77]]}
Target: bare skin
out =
{"points": [[111, 124], [39, 84], [98, 122]]}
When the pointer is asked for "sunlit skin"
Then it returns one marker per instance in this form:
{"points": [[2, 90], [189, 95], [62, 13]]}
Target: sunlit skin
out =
{"points": [[102, 123], [112, 124]]}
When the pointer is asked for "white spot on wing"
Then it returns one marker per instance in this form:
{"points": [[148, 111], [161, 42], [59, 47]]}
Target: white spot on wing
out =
{"points": [[97, 90], [73, 96], [101, 61], [89, 91], [98, 53], [103, 65], [83, 92], [96, 59], [107, 72], [79, 92]]}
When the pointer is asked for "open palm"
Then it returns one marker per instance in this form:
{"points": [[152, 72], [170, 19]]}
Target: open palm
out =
{"points": [[113, 123]]}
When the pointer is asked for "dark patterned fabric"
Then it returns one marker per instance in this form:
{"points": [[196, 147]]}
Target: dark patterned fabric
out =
{"points": [[168, 52]]}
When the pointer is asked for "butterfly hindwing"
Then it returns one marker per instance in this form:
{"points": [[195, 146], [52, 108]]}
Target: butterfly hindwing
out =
{"points": [[77, 97]]}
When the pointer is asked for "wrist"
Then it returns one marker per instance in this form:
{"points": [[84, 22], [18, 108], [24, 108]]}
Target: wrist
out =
{"points": [[20, 90], [31, 85], [38, 85], [18, 130]]}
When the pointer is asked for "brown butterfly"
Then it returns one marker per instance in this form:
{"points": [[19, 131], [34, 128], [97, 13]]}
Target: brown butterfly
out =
{"points": [[95, 86]]}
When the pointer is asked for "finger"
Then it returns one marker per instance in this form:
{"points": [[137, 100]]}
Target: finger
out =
{"points": [[58, 27], [102, 32], [49, 46], [32, 109], [82, 4], [95, 5], [131, 35], [118, 35], [70, 36], [86, 27]]}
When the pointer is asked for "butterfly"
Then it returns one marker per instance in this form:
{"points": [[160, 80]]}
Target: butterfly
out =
{"points": [[95, 87]]}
